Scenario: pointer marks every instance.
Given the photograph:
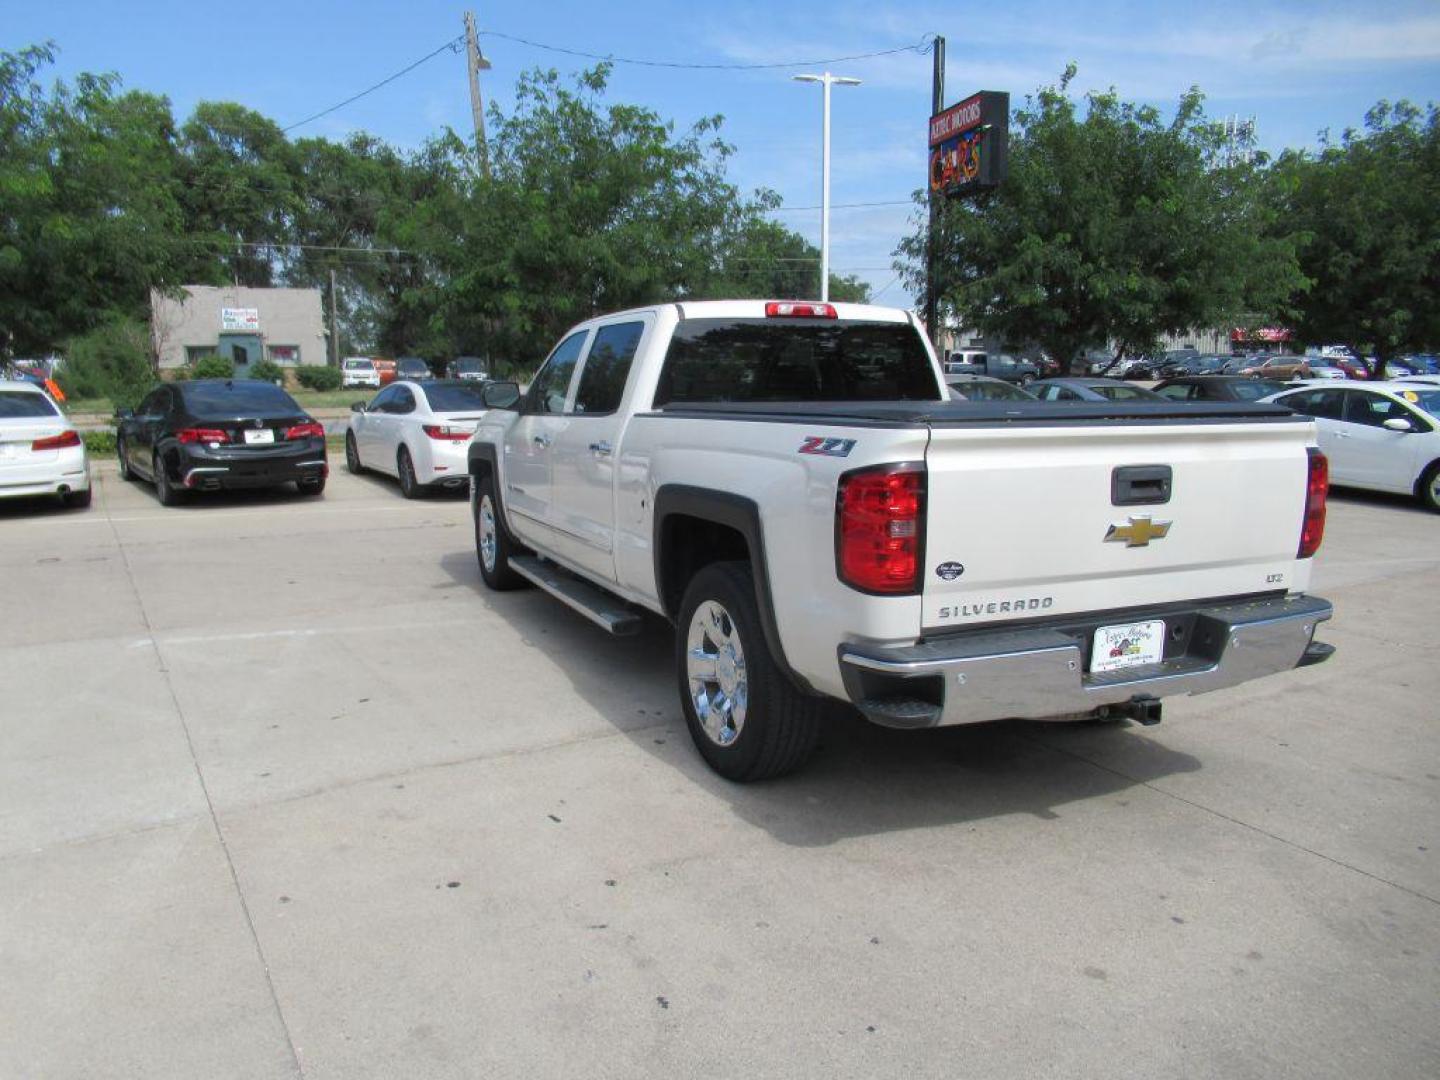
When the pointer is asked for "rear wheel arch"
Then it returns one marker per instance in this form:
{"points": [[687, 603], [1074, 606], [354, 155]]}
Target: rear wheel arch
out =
{"points": [[695, 527]]}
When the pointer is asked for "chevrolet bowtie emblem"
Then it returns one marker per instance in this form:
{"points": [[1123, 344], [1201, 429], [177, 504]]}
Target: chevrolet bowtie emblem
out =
{"points": [[1138, 533]]}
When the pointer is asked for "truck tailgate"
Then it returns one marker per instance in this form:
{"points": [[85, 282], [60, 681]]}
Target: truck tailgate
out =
{"points": [[1018, 517]]}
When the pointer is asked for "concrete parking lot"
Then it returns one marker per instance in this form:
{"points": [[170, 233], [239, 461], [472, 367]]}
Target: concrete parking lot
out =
{"points": [[284, 791]]}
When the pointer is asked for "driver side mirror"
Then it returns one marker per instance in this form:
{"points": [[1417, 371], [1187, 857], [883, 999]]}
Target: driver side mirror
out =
{"points": [[500, 395], [124, 414], [1398, 423], [357, 406]]}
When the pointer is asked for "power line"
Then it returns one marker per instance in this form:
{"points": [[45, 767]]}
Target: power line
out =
{"points": [[451, 45], [921, 47]]}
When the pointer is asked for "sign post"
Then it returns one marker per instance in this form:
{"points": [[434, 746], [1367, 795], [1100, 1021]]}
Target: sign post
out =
{"points": [[969, 153]]}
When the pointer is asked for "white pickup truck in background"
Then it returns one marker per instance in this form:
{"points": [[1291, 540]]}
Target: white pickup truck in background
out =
{"points": [[787, 483]]}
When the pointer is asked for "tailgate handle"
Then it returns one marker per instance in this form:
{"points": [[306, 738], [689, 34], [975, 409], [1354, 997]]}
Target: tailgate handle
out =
{"points": [[1140, 485]]}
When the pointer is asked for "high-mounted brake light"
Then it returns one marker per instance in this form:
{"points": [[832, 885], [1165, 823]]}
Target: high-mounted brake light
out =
{"points": [[879, 528], [57, 442], [310, 430], [794, 309], [445, 431], [1317, 486], [201, 435]]}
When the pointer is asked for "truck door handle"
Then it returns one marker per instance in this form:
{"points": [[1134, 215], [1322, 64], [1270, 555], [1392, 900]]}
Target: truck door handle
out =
{"points": [[601, 449], [1140, 485], [541, 441]]}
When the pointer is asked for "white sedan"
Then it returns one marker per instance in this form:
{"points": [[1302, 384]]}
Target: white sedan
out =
{"points": [[41, 453], [1384, 436], [417, 432]]}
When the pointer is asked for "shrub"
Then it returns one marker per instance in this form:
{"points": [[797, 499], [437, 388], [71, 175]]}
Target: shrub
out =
{"points": [[212, 367], [318, 378], [267, 371], [111, 361], [99, 443], [179, 374]]}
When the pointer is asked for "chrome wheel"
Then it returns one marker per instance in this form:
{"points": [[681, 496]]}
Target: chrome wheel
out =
{"points": [[715, 670], [485, 532]]}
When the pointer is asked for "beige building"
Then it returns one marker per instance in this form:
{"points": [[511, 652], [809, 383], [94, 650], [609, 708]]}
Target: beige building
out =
{"points": [[285, 326]]}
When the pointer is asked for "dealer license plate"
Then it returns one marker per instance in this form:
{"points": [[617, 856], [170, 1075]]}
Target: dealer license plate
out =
{"points": [[1127, 646], [264, 435]]}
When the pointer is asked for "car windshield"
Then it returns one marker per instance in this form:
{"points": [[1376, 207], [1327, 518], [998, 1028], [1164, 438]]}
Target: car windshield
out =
{"points": [[1121, 393], [358, 365], [1428, 400], [711, 360], [469, 365], [414, 365], [1253, 389], [242, 397], [991, 391], [25, 405], [454, 396]]}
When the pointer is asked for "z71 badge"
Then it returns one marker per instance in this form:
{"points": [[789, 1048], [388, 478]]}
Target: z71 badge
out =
{"points": [[818, 444]]}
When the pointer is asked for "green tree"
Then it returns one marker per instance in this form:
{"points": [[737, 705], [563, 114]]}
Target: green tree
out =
{"points": [[90, 220], [1112, 226], [1368, 210]]}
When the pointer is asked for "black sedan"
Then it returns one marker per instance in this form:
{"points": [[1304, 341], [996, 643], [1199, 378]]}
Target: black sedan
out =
{"points": [[1218, 388], [211, 434], [1093, 389]]}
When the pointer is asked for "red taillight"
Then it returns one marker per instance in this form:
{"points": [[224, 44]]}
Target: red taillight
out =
{"points": [[57, 442], [444, 431], [1317, 486], [201, 435], [793, 309], [879, 526], [311, 430]]}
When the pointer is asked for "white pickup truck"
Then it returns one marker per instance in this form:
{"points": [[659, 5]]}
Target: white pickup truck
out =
{"points": [[788, 484]]}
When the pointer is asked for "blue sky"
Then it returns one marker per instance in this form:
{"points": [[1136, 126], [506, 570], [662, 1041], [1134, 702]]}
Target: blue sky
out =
{"points": [[1298, 67]]}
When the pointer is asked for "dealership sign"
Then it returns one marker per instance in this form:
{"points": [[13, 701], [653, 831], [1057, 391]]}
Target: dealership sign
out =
{"points": [[969, 145], [240, 318]]}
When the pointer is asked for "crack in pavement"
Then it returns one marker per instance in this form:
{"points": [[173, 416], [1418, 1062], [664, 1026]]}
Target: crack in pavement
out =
{"points": [[209, 802]]}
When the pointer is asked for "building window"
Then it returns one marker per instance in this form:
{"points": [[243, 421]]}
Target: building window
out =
{"points": [[284, 355], [195, 352]]}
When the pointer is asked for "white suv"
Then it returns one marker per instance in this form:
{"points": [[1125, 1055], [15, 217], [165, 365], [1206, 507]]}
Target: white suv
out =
{"points": [[359, 371]]}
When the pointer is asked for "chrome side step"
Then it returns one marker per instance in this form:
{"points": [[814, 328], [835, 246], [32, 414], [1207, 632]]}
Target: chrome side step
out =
{"points": [[604, 610]]}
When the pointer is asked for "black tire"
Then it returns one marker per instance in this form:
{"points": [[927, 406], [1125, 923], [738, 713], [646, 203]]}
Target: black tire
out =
{"points": [[310, 487], [126, 473], [78, 500], [410, 487], [352, 454], [165, 489], [1428, 489], [780, 726], [497, 572]]}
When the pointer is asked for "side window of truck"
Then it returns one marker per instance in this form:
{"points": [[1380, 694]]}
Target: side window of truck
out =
{"points": [[548, 391], [602, 379]]}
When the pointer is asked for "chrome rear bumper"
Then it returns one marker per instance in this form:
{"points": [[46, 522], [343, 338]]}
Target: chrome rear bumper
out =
{"points": [[1041, 673]]}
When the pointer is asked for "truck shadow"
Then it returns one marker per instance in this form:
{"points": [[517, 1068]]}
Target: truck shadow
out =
{"points": [[864, 779]]}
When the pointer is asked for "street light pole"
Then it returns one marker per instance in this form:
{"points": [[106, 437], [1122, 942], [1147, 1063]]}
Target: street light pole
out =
{"points": [[826, 81]]}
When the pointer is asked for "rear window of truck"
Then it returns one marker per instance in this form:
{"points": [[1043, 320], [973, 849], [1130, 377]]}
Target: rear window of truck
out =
{"points": [[767, 360]]}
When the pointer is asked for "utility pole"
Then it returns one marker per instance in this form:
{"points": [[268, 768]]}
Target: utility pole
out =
{"points": [[477, 63], [334, 334], [932, 300]]}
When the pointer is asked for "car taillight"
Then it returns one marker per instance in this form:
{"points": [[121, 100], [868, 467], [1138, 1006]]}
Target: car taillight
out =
{"points": [[57, 442], [792, 309], [1317, 486], [879, 527], [311, 430], [201, 435], [445, 431]]}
